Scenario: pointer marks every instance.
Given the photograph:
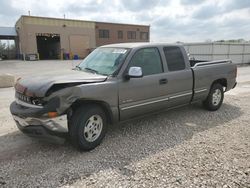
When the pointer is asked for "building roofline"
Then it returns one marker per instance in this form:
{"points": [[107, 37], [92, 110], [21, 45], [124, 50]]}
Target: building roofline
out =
{"points": [[115, 23], [66, 19]]}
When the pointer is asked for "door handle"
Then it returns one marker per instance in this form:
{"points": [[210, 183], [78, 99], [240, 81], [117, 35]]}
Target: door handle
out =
{"points": [[163, 81]]}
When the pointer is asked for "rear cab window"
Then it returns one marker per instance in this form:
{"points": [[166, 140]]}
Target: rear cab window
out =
{"points": [[174, 58]]}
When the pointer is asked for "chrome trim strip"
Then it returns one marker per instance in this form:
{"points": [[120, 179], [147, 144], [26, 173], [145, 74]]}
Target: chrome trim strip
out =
{"points": [[146, 103], [181, 95], [160, 100], [199, 91], [27, 104]]}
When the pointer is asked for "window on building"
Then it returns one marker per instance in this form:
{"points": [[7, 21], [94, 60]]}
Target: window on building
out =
{"points": [[144, 35], [103, 33], [174, 58], [131, 34], [120, 34], [149, 60]]}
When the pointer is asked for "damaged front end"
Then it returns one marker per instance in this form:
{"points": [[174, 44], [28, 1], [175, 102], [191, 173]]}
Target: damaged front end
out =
{"points": [[40, 119], [44, 117]]}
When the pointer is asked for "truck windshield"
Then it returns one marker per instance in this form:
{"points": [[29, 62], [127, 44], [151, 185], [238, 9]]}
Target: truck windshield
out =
{"points": [[104, 60]]}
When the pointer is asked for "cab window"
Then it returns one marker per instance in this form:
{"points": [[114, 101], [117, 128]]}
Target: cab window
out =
{"points": [[174, 58], [149, 60]]}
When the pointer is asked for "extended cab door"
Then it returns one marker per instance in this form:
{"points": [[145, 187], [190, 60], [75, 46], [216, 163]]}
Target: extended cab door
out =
{"points": [[138, 96], [179, 75]]}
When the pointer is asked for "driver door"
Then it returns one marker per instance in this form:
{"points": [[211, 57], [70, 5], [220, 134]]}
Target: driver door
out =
{"points": [[138, 96]]}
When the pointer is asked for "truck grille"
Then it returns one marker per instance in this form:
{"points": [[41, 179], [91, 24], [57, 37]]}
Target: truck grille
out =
{"points": [[23, 98]]}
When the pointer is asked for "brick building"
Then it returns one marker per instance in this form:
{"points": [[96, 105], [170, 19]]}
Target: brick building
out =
{"points": [[53, 38]]}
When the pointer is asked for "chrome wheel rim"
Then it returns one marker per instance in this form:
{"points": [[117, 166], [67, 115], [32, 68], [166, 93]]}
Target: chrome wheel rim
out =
{"points": [[93, 128], [216, 97]]}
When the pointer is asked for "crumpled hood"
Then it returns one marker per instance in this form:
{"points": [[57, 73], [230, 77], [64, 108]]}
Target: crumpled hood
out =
{"points": [[40, 84]]}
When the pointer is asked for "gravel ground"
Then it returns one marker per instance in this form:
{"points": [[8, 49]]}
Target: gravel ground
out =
{"points": [[217, 157], [186, 147]]}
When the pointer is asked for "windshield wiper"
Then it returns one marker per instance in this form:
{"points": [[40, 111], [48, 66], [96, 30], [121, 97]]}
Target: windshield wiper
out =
{"points": [[91, 70], [77, 67]]}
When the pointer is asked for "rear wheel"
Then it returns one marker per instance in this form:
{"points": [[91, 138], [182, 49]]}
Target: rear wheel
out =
{"points": [[215, 97], [87, 127]]}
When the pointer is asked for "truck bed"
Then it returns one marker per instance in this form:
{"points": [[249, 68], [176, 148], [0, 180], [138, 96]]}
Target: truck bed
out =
{"points": [[206, 72]]}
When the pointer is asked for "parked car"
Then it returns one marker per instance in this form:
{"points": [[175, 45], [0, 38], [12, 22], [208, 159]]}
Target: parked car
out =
{"points": [[115, 83]]}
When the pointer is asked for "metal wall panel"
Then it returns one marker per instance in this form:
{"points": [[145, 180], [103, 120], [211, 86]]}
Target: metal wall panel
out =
{"points": [[220, 49], [220, 57], [236, 49], [247, 48], [238, 53], [237, 59], [246, 58], [199, 49], [203, 57]]}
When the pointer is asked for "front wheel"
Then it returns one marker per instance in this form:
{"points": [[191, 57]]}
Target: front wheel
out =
{"points": [[215, 98], [87, 127]]}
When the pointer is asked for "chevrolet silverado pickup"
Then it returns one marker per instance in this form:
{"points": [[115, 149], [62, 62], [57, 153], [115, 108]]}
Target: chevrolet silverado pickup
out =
{"points": [[115, 83]]}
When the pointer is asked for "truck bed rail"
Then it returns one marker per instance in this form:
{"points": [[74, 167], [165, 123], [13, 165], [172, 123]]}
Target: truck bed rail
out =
{"points": [[208, 63]]}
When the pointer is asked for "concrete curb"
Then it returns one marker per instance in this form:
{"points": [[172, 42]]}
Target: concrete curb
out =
{"points": [[7, 80]]}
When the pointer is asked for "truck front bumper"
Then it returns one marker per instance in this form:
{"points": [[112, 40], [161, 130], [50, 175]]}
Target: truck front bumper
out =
{"points": [[39, 126], [55, 126]]}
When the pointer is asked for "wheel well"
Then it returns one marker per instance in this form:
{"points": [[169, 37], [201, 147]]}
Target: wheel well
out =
{"points": [[101, 104], [221, 81]]}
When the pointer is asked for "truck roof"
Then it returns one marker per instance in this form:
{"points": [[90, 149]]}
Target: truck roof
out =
{"points": [[138, 44]]}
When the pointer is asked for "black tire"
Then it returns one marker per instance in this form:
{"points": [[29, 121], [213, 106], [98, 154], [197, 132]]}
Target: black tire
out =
{"points": [[209, 103], [78, 122]]}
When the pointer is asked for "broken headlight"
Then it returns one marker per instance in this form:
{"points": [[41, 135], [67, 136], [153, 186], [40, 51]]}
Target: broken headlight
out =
{"points": [[37, 101]]}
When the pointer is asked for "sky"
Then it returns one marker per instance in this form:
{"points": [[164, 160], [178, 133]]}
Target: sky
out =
{"points": [[169, 20]]}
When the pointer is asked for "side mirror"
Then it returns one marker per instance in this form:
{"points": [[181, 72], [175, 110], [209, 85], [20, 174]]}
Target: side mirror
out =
{"points": [[134, 72]]}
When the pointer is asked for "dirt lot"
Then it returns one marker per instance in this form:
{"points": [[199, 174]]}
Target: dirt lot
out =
{"points": [[187, 147]]}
